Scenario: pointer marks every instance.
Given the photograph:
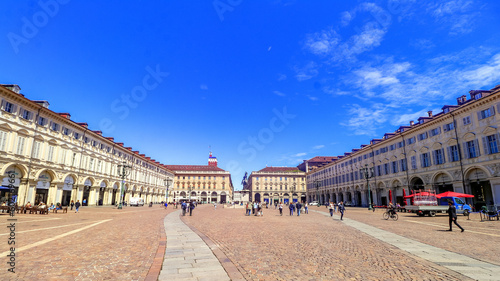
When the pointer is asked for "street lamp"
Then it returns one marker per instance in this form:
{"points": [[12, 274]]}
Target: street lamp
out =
{"points": [[293, 189], [168, 182], [368, 172], [317, 184], [123, 172], [190, 188]]}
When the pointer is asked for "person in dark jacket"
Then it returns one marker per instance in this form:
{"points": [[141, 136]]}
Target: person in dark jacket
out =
{"points": [[292, 208], [77, 206], [341, 210], [452, 214], [299, 206], [72, 205], [191, 207]]}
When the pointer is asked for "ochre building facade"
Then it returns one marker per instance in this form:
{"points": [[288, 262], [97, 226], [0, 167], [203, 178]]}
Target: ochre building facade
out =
{"points": [[277, 184]]}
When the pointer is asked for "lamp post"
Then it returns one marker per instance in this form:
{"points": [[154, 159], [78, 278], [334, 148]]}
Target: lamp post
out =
{"points": [[293, 189], [190, 188], [168, 182], [123, 172], [317, 184], [368, 172]]}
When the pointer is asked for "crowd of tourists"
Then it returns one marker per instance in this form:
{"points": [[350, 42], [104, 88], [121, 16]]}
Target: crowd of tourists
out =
{"points": [[256, 208]]}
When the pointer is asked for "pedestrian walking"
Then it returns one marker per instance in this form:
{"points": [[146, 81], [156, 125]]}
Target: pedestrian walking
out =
{"points": [[281, 208], [72, 205], [77, 206], [215, 205], [299, 207], [191, 208], [330, 208], [260, 209], [183, 207], [306, 208], [452, 214], [292, 208], [335, 207], [166, 205], [341, 210], [275, 205]]}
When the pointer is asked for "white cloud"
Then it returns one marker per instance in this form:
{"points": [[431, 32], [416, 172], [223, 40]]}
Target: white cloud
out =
{"points": [[307, 72], [323, 42], [281, 77], [278, 93], [203, 87], [457, 15], [319, 146], [366, 121], [312, 98], [269, 49], [300, 154], [483, 74]]}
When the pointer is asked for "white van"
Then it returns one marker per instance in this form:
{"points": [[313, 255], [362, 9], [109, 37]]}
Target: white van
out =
{"points": [[136, 201]]}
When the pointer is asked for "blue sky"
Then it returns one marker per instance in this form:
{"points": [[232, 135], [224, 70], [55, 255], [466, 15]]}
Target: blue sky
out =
{"points": [[261, 82]]}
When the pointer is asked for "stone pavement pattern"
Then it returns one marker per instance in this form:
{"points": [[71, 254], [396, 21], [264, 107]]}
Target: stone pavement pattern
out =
{"points": [[315, 247], [122, 247], [462, 264], [187, 256]]}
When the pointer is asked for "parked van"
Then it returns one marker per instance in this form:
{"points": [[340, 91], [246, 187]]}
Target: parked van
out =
{"points": [[460, 205], [136, 201]]}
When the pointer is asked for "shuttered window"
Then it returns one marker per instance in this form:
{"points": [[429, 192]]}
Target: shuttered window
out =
{"points": [[491, 144]]}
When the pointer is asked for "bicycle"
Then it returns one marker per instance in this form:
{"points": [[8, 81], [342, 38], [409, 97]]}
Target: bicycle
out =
{"points": [[388, 215]]}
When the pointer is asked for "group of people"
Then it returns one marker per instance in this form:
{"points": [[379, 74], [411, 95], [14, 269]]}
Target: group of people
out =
{"points": [[188, 207], [334, 207]]}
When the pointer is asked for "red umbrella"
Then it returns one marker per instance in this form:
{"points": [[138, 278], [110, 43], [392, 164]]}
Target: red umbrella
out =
{"points": [[454, 194], [390, 196]]}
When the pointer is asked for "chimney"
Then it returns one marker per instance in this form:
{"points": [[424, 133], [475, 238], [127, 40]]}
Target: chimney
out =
{"points": [[85, 125], [43, 103], [411, 123], [13, 87], [65, 115], [429, 113]]}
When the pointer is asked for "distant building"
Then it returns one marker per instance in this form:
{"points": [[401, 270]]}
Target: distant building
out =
{"points": [[315, 162], [277, 184], [202, 183]]}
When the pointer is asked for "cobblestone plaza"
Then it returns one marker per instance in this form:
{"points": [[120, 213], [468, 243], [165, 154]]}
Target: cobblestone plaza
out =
{"points": [[104, 243]]}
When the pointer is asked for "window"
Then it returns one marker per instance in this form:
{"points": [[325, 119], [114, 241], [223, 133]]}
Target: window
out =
{"points": [[394, 167], [439, 156], [54, 126], [403, 165], [435, 131], [377, 152], [413, 162], [401, 144], [386, 169], [453, 153], [422, 136], [36, 149], [486, 113], [466, 120], [491, 143], [26, 114], [449, 127], [20, 145], [392, 147], [42, 121], [379, 170], [425, 160], [62, 156], [411, 140], [471, 149], [66, 131], [50, 153], [8, 107], [3, 140]]}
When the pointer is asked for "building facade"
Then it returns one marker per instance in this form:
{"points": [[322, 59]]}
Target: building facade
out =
{"points": [[201, 183], [47, 157], [277, 184], [454, 150]]}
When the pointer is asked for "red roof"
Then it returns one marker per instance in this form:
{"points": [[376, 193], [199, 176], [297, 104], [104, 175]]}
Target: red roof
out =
{"points": [[322, 159], [194, 168], [280, 169]]}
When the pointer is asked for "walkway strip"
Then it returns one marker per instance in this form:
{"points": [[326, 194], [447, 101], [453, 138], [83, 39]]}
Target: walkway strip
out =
{"points": [[45, 228], [53, 238], [187, 257], [467, 266]]}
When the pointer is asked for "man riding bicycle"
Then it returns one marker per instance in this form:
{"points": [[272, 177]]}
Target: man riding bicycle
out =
{"points": [[391, 209]]}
